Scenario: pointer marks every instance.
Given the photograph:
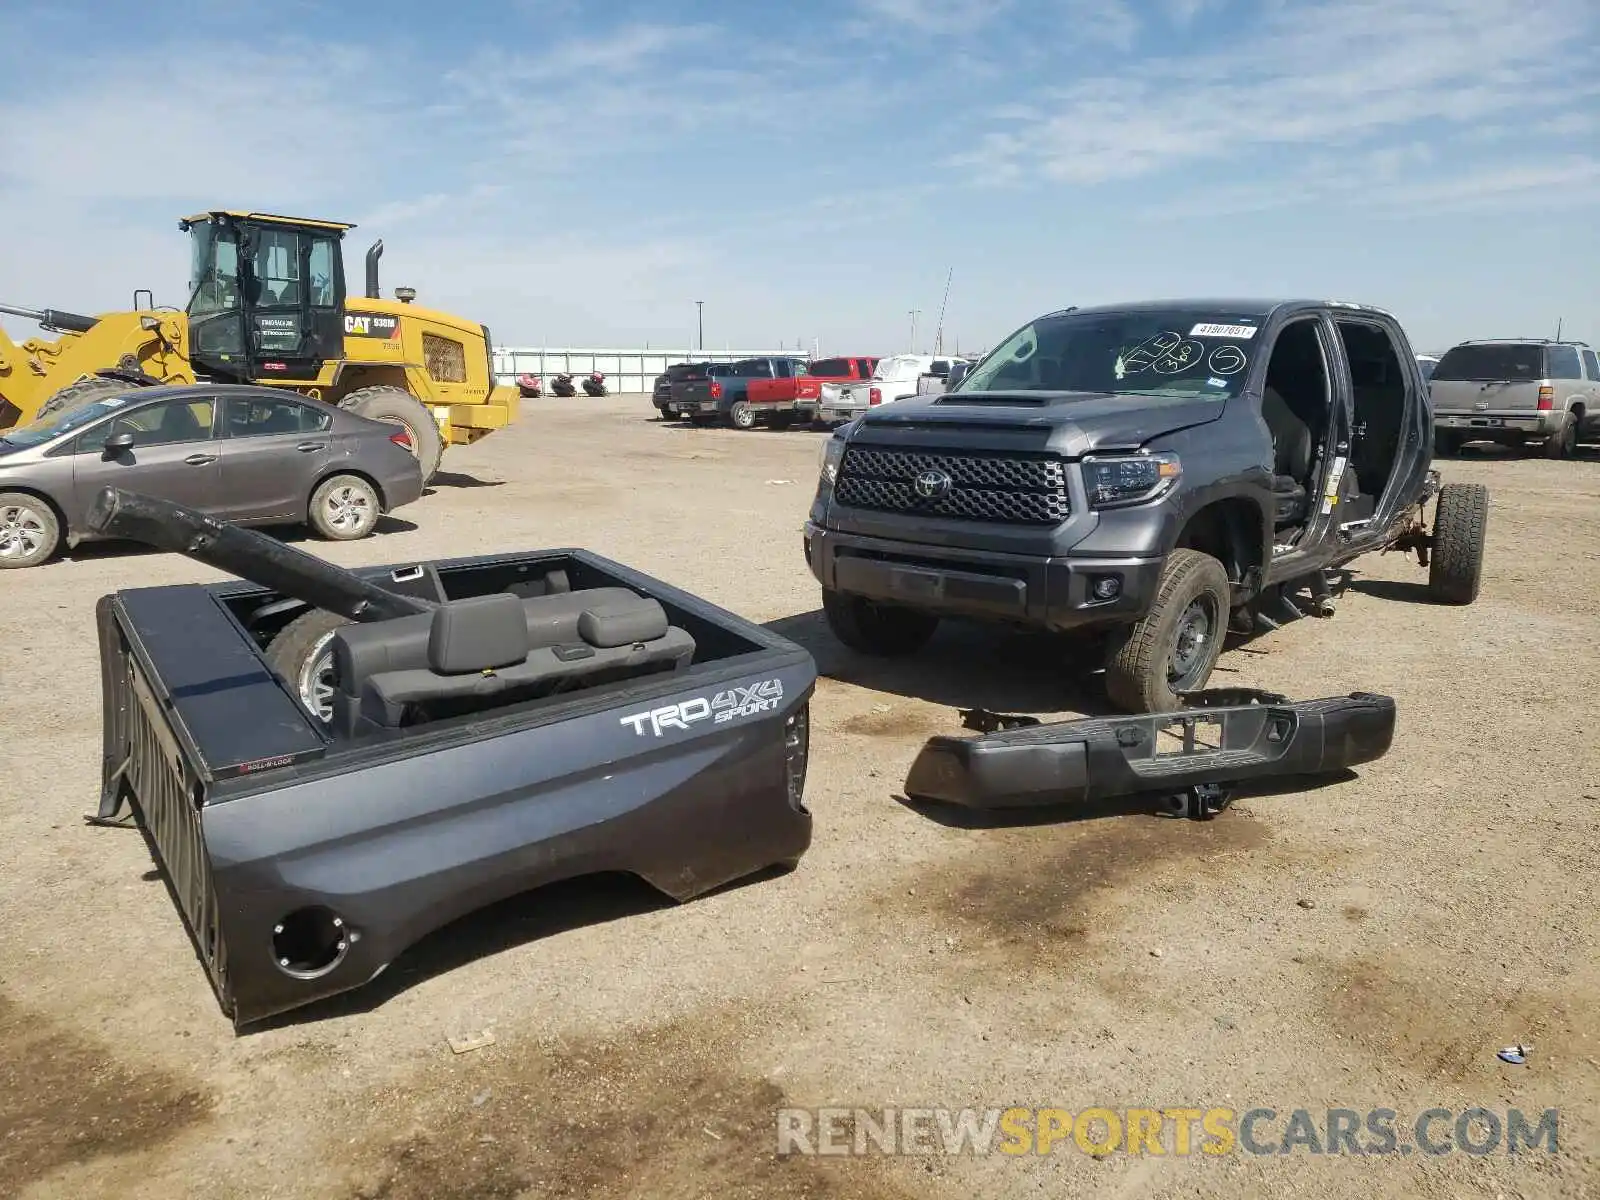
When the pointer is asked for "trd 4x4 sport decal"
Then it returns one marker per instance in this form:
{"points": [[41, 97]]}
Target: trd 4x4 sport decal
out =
{"points": [[719, 709]]}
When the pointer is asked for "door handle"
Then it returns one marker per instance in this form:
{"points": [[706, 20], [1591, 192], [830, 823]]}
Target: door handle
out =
{"points": [[307, 447], [200, 460]]}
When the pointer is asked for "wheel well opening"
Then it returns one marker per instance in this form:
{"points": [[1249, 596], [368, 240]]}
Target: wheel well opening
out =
{"points": [[1231, 532]]}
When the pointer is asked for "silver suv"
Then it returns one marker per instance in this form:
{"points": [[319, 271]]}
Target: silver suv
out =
{"points": [[1515, 391]]}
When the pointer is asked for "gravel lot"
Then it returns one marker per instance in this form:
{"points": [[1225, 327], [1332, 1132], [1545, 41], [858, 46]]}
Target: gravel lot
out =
{"points": [[1369, 944]]}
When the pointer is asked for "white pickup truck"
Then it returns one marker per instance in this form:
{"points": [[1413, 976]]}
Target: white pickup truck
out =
{"points": [[895, 378]]}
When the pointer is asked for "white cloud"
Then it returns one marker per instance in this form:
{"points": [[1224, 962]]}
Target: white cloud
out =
{"points": [[1320, 74]]}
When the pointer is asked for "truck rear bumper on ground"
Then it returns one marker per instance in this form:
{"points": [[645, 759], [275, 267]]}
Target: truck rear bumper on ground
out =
{"points": [[1222, 744], [303, 864], [1054, 593]]}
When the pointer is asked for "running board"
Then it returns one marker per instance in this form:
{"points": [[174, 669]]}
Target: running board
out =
{"points": [[1193, 757]]}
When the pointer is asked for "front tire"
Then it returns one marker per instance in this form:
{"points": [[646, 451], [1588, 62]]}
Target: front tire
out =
{"points": [[881, 630], [397, 406], [344, 508], [29, 531], [1175, 645], [302, 652], [1460, 529]]}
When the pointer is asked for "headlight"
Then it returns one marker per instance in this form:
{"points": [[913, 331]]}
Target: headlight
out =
{"points": [[1129, 479], [832, 455]]}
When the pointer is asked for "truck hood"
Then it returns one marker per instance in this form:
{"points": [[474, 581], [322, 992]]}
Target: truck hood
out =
{"points": [[1070, 423]]}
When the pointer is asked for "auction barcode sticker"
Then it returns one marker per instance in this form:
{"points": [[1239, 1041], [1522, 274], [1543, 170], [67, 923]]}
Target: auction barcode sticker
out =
{"points": [[1227, 331]]}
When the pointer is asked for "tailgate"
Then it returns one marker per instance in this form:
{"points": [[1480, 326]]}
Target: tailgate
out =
{"points": [[1469, 396], [187, 700], [692, 394]]}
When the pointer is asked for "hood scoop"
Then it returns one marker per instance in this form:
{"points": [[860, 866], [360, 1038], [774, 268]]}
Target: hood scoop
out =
{"points": [[993, 400]]}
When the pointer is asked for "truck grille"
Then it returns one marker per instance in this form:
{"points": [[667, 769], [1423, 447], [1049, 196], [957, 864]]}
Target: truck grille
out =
{"points": [[1009, 490]]}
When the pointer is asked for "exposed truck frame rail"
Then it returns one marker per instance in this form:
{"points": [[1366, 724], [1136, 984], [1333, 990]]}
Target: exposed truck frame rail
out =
{"points": [[303, 859]]}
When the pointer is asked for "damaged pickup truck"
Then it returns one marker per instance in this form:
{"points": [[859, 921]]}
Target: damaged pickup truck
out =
{"points": [[1156, 473], [495, 724]]}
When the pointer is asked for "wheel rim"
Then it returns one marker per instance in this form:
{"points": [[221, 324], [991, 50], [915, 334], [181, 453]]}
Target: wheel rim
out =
{"points": [[348, 509], [22, 532], [742, 417], [316, 681], [1191, 647]]}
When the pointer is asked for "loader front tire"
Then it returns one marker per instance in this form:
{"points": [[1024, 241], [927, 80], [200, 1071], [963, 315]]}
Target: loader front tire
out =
{"points": [[83, 392], [399, 407]]}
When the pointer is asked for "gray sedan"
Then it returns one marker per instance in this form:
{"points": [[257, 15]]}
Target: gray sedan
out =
{"points": [[250, 455]]}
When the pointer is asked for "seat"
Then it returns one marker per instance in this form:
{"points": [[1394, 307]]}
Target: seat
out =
{"points": [[473, 654], [1292, 455]]}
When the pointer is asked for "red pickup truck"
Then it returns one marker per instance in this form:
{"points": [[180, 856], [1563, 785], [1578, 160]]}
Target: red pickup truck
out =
{"points": [[781, 401]]}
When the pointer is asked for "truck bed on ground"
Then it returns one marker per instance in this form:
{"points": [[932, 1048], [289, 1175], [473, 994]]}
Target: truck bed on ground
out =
{"points": [[572, 716]]}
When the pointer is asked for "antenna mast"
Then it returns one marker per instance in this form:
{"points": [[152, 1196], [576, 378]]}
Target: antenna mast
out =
{"points": [[938, 336]]}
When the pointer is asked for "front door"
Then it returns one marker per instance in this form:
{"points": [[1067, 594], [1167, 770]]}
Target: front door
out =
{"points": [[173, 456], [273, 451]]}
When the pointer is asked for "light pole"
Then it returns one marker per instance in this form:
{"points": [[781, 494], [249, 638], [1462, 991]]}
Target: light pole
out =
{"points": [[700, 314], [914, 313]]}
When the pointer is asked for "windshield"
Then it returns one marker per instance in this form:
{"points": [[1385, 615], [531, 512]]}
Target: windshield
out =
{"points": [[1161, 352], [214, 271], [46, 428], [1491, 364]]}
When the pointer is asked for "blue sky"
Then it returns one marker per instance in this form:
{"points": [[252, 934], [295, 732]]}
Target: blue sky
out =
{"points": [[580, 174]]}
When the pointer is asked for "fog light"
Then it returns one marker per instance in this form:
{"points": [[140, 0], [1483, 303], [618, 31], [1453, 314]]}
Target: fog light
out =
{"points": [[1107, 587]]}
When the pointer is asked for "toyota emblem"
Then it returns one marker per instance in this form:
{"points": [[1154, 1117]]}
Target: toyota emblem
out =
{"points": [[931, 485]]}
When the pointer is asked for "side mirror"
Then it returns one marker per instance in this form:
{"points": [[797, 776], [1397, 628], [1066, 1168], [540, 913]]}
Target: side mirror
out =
{"points": [[118, 442]]}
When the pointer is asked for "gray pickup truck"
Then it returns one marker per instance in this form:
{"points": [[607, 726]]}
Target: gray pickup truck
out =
{"points": [[1158, 473], [723, 397], [498, 723]]}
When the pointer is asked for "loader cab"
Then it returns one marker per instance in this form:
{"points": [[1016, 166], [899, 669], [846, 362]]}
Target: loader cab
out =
{"points": [[266, 296]]}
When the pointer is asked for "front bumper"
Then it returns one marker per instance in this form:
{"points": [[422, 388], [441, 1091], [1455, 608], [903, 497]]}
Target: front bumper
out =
{"points": [[1221, 743], [1049, 593]]}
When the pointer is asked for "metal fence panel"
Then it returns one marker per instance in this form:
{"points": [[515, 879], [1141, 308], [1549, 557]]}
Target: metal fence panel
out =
{"points": [[626, 370]]}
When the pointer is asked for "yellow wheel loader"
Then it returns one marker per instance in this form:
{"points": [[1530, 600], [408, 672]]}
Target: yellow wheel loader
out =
{"points": [[268, 305]]}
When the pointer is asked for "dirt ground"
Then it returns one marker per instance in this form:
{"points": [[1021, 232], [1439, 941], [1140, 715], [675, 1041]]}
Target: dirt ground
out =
{"points": [[1368, 944]]}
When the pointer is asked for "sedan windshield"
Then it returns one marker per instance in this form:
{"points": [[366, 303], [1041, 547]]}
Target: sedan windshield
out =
{"points": [[47, 428], [1162, 352]]}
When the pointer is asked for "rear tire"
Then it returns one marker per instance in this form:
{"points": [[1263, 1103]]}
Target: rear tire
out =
{"points": [[1563, 443], [30, 532], [83, 392], [1176, 644], [881, 630], [302, 652], [399, 407], [1447, 444], [344, 508], [742, 416], [1460, 529]]}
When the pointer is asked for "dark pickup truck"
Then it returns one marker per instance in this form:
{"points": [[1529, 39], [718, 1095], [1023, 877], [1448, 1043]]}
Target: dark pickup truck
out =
{"points": [[670, 387], [1158, 473], [724, 398], [498, 723]]}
